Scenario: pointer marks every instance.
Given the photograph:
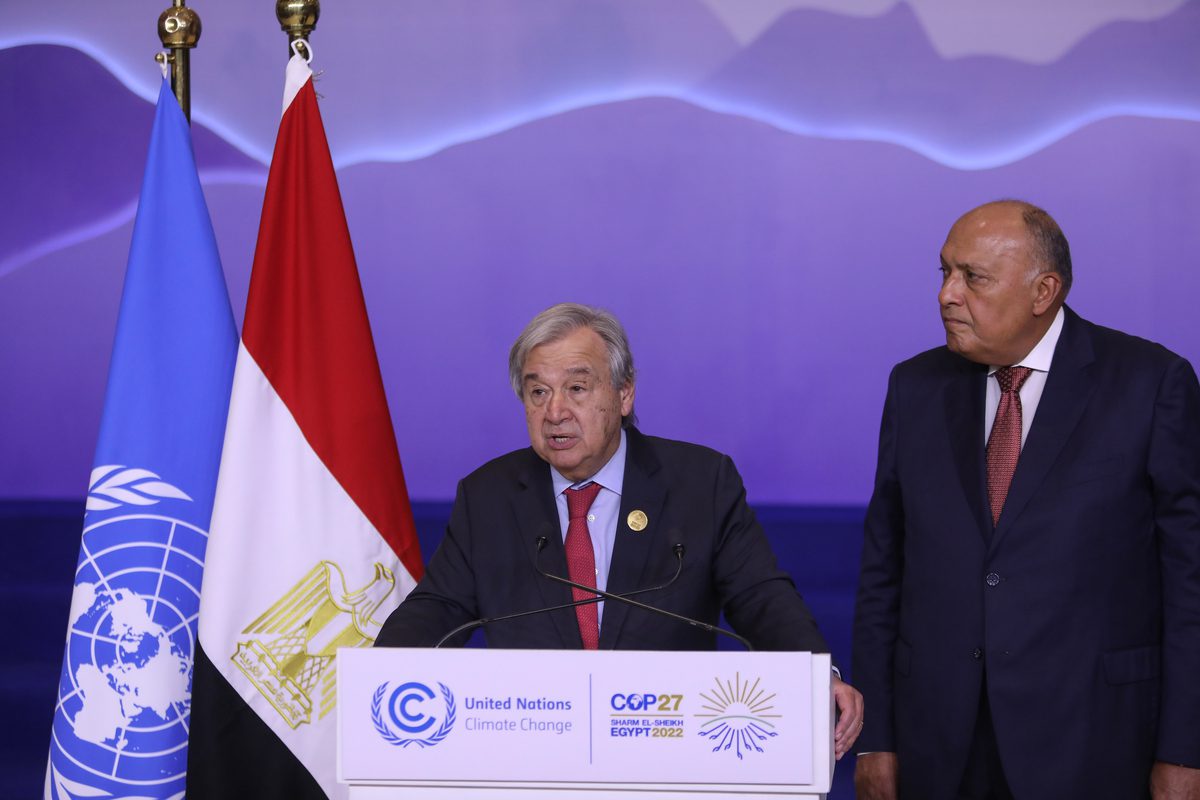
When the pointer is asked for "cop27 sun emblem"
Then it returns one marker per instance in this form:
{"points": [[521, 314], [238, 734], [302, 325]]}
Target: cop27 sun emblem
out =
{"points": [[409, 713], [737, 715]]}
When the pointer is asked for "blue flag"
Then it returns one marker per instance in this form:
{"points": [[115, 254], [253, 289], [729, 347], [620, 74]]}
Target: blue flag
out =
{"points": [[121, 721]]}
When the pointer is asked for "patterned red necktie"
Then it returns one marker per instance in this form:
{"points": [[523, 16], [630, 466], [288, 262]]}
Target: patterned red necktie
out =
{"points": [[1004, 445], [581, 561]]}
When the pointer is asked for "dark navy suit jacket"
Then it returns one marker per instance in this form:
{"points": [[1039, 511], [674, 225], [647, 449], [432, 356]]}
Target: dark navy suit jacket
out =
{"points": [[485, 566], [1083, 604]]}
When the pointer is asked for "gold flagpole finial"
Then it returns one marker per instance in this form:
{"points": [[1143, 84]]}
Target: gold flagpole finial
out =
{"points": [[179, 31], [298, 19]]}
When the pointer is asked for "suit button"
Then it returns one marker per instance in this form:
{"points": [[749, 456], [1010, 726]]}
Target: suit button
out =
{"points": [[992, 579], [977, 654]]}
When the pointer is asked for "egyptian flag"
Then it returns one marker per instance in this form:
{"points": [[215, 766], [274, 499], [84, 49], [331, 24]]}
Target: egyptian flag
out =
{"points": [[312, 542]]}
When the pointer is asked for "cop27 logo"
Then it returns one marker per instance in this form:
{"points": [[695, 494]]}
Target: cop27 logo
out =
{"points": [[738, 716], [409, 713]]}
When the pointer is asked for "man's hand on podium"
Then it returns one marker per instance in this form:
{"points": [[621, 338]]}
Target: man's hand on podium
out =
{"points": [[850, 720]]}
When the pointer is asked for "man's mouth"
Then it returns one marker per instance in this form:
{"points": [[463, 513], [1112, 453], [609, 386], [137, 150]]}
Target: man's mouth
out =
{"points": [[560, 441]]}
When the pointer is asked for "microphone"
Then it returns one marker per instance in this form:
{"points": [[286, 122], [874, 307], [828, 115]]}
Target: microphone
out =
{"points": [[678, 549]]}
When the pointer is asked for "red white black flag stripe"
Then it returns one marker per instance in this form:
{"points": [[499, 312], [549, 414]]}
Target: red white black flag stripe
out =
{"points": [[312, 542]]}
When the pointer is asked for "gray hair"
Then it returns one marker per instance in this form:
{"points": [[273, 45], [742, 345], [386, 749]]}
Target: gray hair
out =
{"points": [[1047, 243], [558, 321]]}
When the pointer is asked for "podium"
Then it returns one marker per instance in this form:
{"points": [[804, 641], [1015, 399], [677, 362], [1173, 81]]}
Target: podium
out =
{"points": [[591, 725]]}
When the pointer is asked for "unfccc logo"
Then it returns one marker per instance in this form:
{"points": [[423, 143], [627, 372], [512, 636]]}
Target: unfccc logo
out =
{"points": [[413, 709]]}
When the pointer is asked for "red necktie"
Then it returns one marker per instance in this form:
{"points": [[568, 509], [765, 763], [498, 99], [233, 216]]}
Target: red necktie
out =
{"points": [[1004, 445], [581, 561]]}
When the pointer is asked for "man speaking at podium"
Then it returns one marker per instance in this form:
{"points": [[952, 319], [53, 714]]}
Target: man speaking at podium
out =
{"points": [[595, 502]]}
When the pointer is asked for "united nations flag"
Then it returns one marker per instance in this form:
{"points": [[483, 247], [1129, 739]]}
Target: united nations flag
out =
{"points": [[121, 721]]}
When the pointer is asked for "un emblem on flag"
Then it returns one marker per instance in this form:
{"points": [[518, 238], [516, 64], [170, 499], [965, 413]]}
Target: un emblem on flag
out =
{"points": [[120, 724]]}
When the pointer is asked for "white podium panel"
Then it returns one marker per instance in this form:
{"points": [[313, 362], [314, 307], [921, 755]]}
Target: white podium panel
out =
{"points": [[412, 722]]}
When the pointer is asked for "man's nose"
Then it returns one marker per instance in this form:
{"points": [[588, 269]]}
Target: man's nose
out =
{"points": [[556, 408], [951, 291]]}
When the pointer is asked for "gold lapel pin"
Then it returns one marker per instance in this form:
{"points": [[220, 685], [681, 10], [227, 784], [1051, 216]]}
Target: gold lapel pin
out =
{"points": [[637, 520]]}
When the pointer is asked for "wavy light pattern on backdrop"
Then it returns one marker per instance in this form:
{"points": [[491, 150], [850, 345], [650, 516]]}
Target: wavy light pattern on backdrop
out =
{"points": [[758, 189]]}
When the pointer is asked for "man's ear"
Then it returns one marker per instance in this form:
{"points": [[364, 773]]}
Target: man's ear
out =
{"points": [[627, 392], [1048, 288]]}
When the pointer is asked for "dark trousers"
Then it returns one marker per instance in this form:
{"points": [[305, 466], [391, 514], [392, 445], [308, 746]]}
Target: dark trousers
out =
{"points": [[984, 776]]}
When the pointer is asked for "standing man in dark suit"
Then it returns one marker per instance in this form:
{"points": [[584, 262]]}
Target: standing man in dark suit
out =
{"points": [[595, 499], [1028, 620]]}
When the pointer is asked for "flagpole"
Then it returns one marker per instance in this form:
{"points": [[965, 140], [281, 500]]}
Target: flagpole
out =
{"points": [[298, 19], [179, 31]]}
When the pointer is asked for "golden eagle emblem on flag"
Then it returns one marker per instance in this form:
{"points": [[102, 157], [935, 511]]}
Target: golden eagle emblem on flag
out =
{"points": [[289, 655]]}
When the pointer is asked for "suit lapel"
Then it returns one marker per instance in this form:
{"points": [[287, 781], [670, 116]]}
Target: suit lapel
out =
{"points": [[537, 515], [642, 490], [964, 397], [1069, 387]]}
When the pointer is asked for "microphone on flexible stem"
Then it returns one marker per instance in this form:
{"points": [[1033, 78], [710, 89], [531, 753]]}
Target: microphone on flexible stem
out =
{"points": [[678, 549]]}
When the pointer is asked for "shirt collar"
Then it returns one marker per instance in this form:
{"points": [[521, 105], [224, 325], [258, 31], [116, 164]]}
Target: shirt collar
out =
{"points": [[611, 476], [1042, 354]]}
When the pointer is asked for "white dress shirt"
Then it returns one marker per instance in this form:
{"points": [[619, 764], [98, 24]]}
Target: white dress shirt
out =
{"points": [[1038, 360]]}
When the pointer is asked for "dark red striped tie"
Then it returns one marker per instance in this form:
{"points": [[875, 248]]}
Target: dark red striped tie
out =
{"points": [[581, 561], [1004, 445]]}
